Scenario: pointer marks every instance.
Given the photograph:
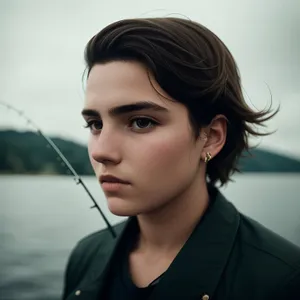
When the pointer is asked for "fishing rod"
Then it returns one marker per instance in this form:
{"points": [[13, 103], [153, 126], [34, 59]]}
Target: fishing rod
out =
{"points": [[66, 163]]}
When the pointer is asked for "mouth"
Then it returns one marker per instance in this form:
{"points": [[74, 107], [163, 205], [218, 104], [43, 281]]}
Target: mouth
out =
{"points": [[111, 183], [112, 179]]}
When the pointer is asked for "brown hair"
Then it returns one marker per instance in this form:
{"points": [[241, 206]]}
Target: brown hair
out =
{"points": [[195, 68]]}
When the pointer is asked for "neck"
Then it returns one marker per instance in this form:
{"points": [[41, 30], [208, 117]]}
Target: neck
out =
{"points": [[167, 229]]}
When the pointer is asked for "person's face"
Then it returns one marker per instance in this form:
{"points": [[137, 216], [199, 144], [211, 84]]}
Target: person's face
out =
{"points": [[151, 148]]}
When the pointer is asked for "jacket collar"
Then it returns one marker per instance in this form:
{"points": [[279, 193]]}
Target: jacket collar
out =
{"points": [[197, 269], [94, 281]]}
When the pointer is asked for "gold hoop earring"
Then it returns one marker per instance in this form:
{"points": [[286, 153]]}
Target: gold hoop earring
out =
{"points": [[207, 157]]}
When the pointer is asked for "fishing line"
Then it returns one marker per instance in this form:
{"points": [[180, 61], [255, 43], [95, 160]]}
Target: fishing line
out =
{"points": [[65, 162]]}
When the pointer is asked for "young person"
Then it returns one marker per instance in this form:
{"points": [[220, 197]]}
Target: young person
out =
{"points": [[168, 122]]}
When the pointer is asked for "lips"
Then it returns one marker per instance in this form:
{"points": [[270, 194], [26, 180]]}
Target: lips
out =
{"points": [[111, 179], [112, 185]]}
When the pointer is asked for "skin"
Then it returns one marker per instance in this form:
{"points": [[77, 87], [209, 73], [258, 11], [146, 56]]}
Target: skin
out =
{"points": [[161, 160]]}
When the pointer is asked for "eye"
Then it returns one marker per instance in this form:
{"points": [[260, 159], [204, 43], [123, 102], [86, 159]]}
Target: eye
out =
{"points": [[142, 123], [94, 125]]}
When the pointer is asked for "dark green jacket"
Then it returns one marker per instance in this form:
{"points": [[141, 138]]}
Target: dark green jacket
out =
{"points": [[228, 257]]}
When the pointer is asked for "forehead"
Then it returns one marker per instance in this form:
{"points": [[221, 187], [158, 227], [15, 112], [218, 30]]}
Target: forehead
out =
{"points": [[120, 82]]}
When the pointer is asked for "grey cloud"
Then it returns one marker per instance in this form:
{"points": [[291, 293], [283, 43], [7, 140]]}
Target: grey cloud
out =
{"points": [[42, 45]]}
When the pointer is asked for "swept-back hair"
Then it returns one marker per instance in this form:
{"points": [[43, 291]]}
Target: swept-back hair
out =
{"points": [[195, 68]]}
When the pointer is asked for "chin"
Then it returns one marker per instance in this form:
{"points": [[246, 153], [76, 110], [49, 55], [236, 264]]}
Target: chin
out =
{"points": [[122, 208]]}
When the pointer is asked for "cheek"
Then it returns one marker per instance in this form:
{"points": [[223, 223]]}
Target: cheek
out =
{"points": [[164, 168], [169, 154]]}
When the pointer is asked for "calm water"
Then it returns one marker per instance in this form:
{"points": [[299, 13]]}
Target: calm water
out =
{"points": [[41, 219]]}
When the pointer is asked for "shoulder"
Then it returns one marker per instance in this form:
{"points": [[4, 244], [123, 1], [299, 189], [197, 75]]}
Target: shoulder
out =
{"points": [[84, 252], [267, 243], [89, 245], [277, 259]]}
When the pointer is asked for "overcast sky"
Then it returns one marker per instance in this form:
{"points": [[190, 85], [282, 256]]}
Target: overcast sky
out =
{"points": [[42, 44]]}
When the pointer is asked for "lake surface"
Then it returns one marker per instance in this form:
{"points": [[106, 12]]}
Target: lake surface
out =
{"points": [[42, 218]]}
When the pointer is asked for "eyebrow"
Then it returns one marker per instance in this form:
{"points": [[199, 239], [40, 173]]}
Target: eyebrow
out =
{"points": [[125, 109]]}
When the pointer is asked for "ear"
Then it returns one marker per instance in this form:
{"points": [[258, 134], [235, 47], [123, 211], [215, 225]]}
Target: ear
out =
{"points": [[216, 134]]}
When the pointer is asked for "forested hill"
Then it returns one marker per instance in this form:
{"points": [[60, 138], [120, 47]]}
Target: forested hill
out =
{"points": [[27, 153]]}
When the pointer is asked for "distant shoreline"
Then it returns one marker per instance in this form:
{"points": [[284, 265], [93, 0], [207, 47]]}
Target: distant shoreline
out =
{"points": [[26, 153]]}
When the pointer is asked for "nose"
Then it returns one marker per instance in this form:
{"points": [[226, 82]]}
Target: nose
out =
{"points": [[105, 148]]}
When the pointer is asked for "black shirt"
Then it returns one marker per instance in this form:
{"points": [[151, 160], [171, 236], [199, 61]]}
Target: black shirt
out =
{"points": [[119, 284]]}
